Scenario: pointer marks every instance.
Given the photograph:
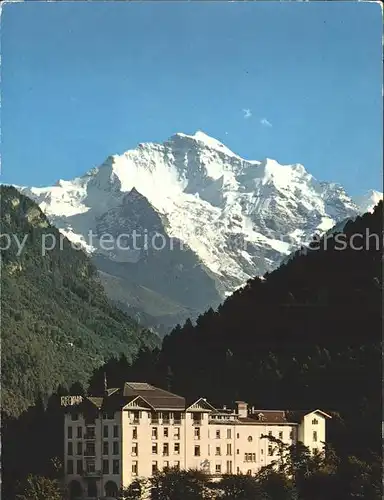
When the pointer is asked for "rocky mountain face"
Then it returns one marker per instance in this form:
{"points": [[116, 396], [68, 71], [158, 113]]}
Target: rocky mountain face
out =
{"points": [[175, 227]]}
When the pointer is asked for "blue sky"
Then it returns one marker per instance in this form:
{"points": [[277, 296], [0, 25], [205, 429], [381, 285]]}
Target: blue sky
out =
{"points": [[81, 81]]}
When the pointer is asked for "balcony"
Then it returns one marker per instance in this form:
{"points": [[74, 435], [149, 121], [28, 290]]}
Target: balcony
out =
{"points": [[90, 436], [90, 453], [197, 422], [165, 421], [176, 421], [92, 474], [154, 420]]}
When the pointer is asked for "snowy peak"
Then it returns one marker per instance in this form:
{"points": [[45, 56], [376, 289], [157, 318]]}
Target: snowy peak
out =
{"points": [[204, 140], [238, 218], [369, 200]]}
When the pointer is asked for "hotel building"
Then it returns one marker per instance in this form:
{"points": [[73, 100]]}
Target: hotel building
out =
{"points": [[138, 429]]}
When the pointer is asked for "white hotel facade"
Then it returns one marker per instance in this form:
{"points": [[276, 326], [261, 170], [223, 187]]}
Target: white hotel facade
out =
{"points": [[133, 431]]}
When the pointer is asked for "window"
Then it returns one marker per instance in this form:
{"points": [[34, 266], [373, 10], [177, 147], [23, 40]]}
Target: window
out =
{"points": [[269, 433], [69, 466], [165, 449], [229, 467], [154, 449], [105, 466], [90, 433], [250, 439], [79, 432], [209, 449], [176, 433], [115, 431], [270, 450], [261, 451], [229, 449], [177, 448], [314, 450], [80, 448], [90, 450], [237, 435], [238, 470], [135, 449], [166, 418], [115, 447], [154, 432], [75, 417], [228, 433], [69, 432], [135, 417], [249, 472], [105, 448], [218, 451], [197, 418], [314, 436], [79, 467], [218, 434], [166, 465], [315, 421], [176, 417], [291, 435], [154, 467], [70, 448], [281, 435], [197, 432], [105, 431], [237, 451], [218, 468], [116, 467], [134, 433], [135, 468], [110, 415], [91, 466], [165, 432], [176, 464], [197, 451]]}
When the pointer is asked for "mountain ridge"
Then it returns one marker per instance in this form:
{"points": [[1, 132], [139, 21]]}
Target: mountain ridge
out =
{"points": [[230, 218]]}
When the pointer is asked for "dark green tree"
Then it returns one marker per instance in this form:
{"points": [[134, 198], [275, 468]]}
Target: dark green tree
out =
{"points": [[174, 484], [39, 488]]}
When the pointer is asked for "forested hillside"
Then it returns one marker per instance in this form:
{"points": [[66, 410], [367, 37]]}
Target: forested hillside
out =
{"points": [[57, 324]]}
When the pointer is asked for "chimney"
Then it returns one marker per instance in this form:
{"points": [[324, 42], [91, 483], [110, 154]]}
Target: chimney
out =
{"points": [[242, 409]]}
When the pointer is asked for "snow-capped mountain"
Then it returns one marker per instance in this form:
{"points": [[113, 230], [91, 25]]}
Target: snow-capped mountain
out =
{"points": [[222, 220], [369, 200]]}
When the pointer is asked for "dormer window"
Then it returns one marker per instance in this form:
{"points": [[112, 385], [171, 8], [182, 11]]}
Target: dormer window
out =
{"points": [[260, 416]]}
